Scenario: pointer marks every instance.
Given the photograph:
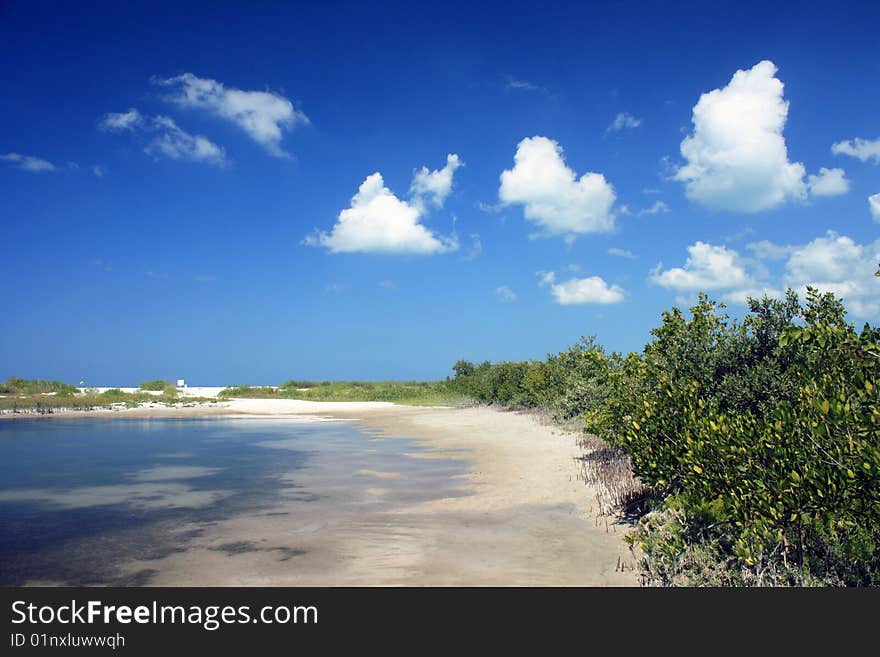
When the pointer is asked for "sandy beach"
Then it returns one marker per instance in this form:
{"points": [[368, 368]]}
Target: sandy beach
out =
{"points": [[518, 517]]}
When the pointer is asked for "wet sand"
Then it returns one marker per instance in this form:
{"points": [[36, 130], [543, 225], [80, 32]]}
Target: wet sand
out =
{"points": [[519, 516]]}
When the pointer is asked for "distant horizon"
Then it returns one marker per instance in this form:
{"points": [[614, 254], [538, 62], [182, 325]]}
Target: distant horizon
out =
{"points": [[374, 192]]}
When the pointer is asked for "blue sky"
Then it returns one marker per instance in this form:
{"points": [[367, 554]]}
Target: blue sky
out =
{"points": [[179, 181]]}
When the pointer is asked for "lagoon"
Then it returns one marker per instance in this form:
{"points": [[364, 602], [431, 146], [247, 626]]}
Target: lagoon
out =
{"points": [[118, 501]]}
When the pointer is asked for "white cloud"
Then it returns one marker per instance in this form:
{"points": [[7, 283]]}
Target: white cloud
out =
{"points": [[707, 267], [169, 139], [551, 194], [835, 263], [505, 294], [623, 121], [263, 115], [659, 207], [177, 144], [863, 149], [874, 204], [28, 162], [737, 160], [829, 182], [99, 170], [379, 222], [767, 250], [621, 253], [435, 186], [832, 258], [574, 291], [120, 121]]}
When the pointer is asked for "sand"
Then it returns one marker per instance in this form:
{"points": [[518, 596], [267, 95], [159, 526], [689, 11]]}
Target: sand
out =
{"points": [[519, 517]]}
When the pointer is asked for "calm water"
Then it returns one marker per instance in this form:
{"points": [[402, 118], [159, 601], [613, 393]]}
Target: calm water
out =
{"points": [[80, 498]]}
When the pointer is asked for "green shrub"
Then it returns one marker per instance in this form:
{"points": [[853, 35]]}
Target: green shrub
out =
{"points": [[765, 433], [18, 386], [248, 391], [156, 385], [114, 393]]}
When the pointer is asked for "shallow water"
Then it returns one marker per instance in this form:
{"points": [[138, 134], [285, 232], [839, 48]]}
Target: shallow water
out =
{"points": [[81, 499]]}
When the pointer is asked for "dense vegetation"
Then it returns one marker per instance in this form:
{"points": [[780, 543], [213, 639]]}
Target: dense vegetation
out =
{"points": [[757, 442], [17, 386], [401, 392]]}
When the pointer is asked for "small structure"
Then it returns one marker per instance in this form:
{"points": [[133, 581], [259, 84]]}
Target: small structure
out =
{"points": [[181, 383]]}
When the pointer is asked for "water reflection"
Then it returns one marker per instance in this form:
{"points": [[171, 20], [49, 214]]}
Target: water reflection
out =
{"points": [[82, 499]]}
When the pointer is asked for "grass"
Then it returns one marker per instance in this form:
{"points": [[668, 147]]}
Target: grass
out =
{"points": [[412, 393], [22, 396]]}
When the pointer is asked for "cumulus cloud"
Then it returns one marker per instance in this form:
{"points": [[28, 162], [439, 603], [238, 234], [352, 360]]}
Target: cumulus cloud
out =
{"points": [[621, 253], [263, 115], [623, 121], [836, 263], [874, 204], [121, 121], [28, 163], [379, 222], [863, 149], [552, 195], [505, 294], [828, 182], [435, 186], [168, 139], [575, 291], [832, 263], [737, 160], [99, 170], [707, 267]]}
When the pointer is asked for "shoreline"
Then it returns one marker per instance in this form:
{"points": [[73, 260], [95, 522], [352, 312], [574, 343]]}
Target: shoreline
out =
{"points": [[525, 520]]}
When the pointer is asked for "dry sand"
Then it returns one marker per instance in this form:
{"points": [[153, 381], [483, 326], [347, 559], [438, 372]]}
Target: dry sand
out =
{"points": [[525, 518]]}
